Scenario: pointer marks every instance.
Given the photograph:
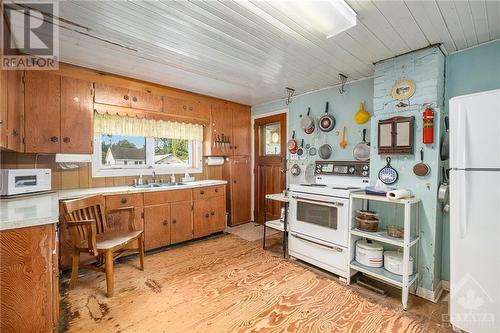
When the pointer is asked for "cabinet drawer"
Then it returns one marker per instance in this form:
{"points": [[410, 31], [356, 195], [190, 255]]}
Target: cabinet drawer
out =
{"points": [[157, 198], [208, 192], [124, 200], [111, 95]]}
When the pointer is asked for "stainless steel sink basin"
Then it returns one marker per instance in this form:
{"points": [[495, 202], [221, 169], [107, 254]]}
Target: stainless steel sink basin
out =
{"points": [[154, 185]]}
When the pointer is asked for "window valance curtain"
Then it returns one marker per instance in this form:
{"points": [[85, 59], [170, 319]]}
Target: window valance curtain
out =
{"points": [[120, 125]]}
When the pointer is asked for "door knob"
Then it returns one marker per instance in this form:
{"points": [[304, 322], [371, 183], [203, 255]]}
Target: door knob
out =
{"points": [[66, 139], [54, 139], [174, 221]]}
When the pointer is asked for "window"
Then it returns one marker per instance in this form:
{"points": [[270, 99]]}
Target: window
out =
{"points": [[123, 155]]}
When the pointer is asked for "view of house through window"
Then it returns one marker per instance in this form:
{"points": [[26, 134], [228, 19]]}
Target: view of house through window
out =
{"points": [[171, 151], [123, 150]]}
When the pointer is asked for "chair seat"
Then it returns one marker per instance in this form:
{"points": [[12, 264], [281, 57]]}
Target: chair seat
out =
{"points": [[109, 240]]}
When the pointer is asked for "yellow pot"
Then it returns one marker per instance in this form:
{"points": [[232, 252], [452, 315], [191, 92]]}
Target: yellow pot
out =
{"points": [[361, 116]]}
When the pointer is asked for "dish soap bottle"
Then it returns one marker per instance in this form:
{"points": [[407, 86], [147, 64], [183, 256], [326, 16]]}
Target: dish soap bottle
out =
{"points": [[172, 178]]}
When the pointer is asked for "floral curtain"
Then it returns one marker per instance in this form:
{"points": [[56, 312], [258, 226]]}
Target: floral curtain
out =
{"points": [[119, 125]]}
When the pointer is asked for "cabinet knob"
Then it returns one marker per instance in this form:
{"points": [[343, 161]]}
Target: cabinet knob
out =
{"points": [[235, 147], [15, 133], [184, 107], [216, 190], [234, 181], [123, 200], [125, 97], [134, 99], [54, 139], [202, 192], [174, 221], [165, 222], [66, 139], [212, 213], [207, 215]]}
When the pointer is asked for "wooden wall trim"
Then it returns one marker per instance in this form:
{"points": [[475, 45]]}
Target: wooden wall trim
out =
{"points": [[135, 113]]}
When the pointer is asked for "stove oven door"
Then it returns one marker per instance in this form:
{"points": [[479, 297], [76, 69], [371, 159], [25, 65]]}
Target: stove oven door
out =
{"points": [[320, 217]]}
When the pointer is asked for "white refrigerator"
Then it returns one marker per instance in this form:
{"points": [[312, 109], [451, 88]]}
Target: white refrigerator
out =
{"points": [[475, 212]]}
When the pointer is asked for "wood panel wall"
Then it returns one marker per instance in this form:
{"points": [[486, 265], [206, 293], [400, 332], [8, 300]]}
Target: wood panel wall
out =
{"points": [[82, 177]]}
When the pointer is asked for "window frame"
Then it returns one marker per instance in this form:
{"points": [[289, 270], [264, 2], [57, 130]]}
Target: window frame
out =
{"points": [[100, 170]]}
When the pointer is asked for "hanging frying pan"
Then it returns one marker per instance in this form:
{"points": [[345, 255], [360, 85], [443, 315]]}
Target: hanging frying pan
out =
{"points": [[421, 169], [295, 170], [325, 151], [306, 121], [443, 188], [361, 151], [301, 151], [445, 143], [311, 129], [388, 175], [326, 122], [292, 144]]}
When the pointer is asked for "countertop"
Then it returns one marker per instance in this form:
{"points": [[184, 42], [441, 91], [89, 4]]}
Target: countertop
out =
{"points": [[40, 209], [29, 211]]}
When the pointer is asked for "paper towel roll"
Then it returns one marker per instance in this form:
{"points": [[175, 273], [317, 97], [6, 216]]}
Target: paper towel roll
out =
{"points": [[398, 194], [215, 160]]}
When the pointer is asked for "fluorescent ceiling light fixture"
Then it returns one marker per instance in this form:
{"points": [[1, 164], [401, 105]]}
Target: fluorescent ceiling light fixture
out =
{"points": [[329, 17]]}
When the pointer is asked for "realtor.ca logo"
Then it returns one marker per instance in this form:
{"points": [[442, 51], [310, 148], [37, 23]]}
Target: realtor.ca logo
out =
{"points": [[471, 307], [30, 35]]}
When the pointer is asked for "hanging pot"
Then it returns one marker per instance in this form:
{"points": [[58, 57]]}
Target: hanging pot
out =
{"points": [[443, 188], [306, 121], [301, 151], [325, 151], [445, 143], [361, 151], [292, 144], [295, 170], [421, 169], [311, 129], [326, 122]]}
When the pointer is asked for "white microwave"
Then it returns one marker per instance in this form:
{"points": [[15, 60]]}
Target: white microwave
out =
{"points": [[20, 181]]}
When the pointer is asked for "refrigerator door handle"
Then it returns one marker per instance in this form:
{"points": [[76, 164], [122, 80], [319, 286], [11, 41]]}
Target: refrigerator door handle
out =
{"points": [[462, 137], [462, 217]]}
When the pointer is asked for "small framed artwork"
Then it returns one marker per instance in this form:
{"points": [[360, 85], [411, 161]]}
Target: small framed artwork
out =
{"points": [[403, 89]]}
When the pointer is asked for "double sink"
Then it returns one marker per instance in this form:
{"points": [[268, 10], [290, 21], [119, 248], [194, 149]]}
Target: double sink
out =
{"points": [[155, 185]]}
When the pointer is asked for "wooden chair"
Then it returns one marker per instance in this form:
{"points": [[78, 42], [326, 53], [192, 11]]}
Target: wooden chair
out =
{"points": [[86, 219]]}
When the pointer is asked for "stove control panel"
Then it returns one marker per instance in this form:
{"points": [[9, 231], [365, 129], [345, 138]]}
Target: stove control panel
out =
{"points": [[343, 168]]}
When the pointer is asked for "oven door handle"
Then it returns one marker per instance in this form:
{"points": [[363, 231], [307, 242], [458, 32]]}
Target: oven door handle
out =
{"points": [[331, 247], [320, 202]]}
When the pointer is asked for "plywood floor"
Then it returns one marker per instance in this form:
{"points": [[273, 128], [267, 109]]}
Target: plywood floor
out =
{"points": [[227, 284]]}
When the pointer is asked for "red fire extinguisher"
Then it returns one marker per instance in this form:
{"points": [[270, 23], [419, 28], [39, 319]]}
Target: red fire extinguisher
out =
{"points": [[428, 125]]}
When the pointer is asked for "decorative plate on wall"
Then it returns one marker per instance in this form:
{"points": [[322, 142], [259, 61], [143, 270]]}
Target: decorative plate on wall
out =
{"points": [[403, 89]]}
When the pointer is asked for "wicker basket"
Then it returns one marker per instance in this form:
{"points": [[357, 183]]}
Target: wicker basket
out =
{"points": [[367, 225], [395, 231]]}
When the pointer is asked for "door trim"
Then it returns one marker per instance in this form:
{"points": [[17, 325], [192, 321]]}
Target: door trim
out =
{"points": [[252, 152]]}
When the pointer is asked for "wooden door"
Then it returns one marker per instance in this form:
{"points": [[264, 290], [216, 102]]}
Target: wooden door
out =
{"points": [[217, 214], [157, 224], [241, 130], [76, 116], [15, 111], [111, 95], [42, 113], [146, 101], [182, 222], [270, 164], [201, 218], [240, 190]]}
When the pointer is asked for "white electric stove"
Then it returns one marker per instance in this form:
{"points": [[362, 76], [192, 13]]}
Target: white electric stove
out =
{"points": [[319, 214]]}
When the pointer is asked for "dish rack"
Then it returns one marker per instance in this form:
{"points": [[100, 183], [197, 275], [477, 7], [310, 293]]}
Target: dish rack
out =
{"points": [[411, 207]]}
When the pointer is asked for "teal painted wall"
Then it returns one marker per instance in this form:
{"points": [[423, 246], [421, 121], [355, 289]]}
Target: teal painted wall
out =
{"points": [[342, 107], [468, 72]]}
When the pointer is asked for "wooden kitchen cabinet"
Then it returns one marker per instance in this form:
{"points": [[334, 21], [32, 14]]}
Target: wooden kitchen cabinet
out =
{"points": [[118, 96], [29, 295], [201, 218], [182, 221], [220, 129], [237, 172], [241, 130], [119, 221], [182, 107], [157, 222], [42, 112], [209, 212], [76, 116], [12, 114]]}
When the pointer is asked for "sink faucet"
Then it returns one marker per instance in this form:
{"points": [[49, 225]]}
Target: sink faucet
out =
{"points": [[154, 176]]}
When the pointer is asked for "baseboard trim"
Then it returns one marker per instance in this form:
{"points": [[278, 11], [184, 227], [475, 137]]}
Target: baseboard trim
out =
{"points": [[431, 295], [446, 285]]}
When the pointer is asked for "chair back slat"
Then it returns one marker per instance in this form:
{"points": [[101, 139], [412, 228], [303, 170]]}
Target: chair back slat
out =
{"points": [[89, 208]]}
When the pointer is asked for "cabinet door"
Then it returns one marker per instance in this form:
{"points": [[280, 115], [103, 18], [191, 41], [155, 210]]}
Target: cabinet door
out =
{"points": [[76, 116], [221, 126], [201, 218], [182, 222], [111, 95], [241, 130], [146, 101], [15, 111], [156, 226], [240, 190], [217, 214], [3, 108], [42, 112], [119, 220]]}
